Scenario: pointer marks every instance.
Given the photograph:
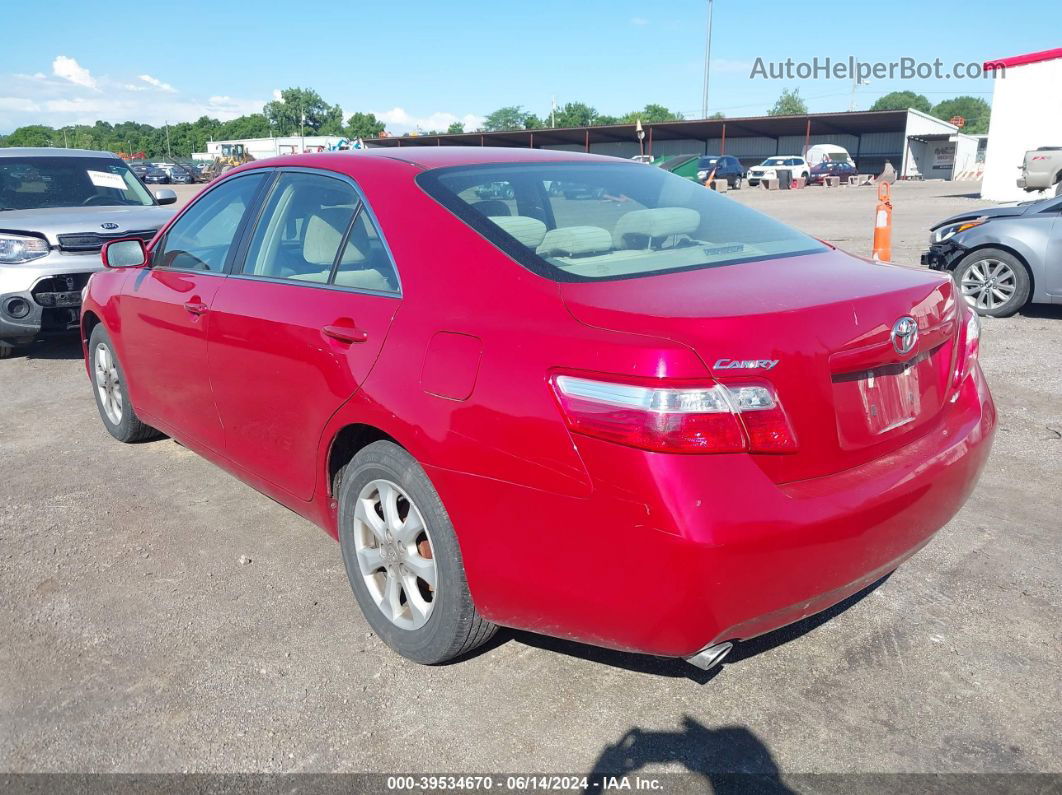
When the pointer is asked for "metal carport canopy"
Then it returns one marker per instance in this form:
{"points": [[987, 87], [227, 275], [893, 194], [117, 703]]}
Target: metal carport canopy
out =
{"points": [[851, 123]]}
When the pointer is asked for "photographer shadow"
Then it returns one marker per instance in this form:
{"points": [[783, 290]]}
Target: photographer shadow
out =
{"points": [[730, 759]]}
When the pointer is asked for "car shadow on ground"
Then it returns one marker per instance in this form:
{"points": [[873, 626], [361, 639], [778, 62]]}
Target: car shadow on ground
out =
{"points": [[1049, 311], [721, 760], [672, 667], [56, 349]]}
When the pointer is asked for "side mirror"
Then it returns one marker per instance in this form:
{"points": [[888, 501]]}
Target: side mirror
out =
{"points": [[165, 196], [128, 253]]}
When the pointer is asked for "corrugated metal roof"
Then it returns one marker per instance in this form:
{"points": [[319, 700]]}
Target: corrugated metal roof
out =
{"points": [[850, 123]]}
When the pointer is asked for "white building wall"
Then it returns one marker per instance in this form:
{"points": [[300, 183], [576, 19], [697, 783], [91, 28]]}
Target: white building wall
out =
{"points": [[262, 148], [914, 152], [1026, 114]]}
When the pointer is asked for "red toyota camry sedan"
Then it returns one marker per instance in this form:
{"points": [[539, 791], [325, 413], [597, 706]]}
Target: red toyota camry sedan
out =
{"points": [[553, 391]]}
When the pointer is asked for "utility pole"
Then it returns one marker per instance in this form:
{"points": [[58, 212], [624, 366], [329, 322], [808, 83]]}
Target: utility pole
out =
{"points": [[553, 113], [707, 61], [169, 153], [856, 83]]}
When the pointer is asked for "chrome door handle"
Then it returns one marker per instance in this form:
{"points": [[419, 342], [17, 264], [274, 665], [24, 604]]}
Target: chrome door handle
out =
{"points": [[195, 307]]}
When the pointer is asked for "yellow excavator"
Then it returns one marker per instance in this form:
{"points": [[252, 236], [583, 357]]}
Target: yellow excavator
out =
{"points": [[232, 155]]}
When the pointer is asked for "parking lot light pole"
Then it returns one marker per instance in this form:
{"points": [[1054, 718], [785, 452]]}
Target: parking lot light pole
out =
{"points": [[640, 133], [707, 61]]}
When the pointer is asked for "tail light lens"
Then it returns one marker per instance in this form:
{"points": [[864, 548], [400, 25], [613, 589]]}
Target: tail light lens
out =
{"points": [[737, 418], [969, 347]]}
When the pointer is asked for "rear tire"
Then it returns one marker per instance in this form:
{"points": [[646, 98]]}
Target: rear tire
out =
{"points": [[109, 389], [396, 537]]}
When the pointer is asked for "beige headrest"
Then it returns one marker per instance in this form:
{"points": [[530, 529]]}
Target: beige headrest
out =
{"points": [[636, 228], [572, 241], [528, 231]]}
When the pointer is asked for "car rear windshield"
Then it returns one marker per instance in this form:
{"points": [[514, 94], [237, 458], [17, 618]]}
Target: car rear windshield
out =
{"points": [[600, 221], [31, 183]]}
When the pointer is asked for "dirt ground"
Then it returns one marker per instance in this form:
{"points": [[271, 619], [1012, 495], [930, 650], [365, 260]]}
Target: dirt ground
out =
{"points": [[158, 615]]}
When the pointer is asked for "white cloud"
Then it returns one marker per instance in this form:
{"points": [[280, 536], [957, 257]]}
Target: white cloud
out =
{"points": [[74, 96], [277, 95], [399, 120], [640, 22], [19, 105], [154, 81], [69, 69]]}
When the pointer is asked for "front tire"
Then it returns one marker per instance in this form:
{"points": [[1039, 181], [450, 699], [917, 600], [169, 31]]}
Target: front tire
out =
{"points": [[403, 560], [993, 282], [112, 396]]}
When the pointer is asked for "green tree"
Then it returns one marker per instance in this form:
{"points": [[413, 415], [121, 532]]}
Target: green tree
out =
{"points": [[32, 135], [650, 113], [974, 110], [364, 125], [286, 114], [603, 119], [455, 127], [575, 114], [255, 125], [902, 100], [789, 103], [511, 117], [718, 115]]}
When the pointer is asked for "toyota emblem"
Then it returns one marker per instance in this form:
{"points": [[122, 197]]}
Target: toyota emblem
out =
{"points": [[904, 334]]}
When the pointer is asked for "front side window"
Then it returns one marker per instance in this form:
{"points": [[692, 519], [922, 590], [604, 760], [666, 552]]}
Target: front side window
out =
{"points": [[315, 229], [31, 183], [201, 239], [585, 222]]}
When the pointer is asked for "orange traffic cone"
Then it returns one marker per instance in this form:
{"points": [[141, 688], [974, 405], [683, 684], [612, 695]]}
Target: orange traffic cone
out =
{"points": [[883, 224]]}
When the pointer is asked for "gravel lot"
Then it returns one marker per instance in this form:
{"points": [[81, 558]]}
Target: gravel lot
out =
{"points": [[135, 638]]}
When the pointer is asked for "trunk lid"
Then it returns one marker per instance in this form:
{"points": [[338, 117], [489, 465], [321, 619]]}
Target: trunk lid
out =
{"points": [[826, 321]]}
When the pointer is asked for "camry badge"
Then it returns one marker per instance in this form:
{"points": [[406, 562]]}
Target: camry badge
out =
{"points": [[744, 364], [904, 334], [109, 225]]}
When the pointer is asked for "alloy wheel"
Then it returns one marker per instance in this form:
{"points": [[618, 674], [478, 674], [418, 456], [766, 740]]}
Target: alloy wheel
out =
{"points": [[395, 554], [108, 383], [988, 284]]}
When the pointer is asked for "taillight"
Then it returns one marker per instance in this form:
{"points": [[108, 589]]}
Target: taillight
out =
{"points": [[970, 347], [734, 418]]}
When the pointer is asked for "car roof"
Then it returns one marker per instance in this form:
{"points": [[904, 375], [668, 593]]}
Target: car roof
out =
{"points": [[429, 157], [49, 151]]}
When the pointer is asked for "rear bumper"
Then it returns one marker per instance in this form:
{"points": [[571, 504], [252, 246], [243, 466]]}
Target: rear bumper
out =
{"points": [[712, 550]]}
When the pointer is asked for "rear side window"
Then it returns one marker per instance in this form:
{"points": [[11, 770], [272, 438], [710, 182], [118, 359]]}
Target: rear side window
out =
{"points": [[586, 222], [315, 229]]}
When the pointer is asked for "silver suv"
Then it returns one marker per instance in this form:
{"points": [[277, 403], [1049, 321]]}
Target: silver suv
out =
{"points": [[57, 209]]}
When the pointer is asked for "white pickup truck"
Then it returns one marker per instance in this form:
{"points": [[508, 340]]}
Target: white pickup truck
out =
{"points": [[1042, 168]]}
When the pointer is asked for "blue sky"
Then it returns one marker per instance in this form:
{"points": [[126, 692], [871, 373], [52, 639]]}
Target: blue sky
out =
{"points": [[424, 63]]}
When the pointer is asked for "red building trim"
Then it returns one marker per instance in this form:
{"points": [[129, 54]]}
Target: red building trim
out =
{"points": [[1020, 60]]}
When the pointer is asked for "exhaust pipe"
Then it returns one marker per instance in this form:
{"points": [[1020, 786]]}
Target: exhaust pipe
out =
{"points": [[708, 658]]}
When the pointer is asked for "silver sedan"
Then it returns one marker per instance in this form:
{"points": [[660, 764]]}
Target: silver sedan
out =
{"points": [[1002, 257]]}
